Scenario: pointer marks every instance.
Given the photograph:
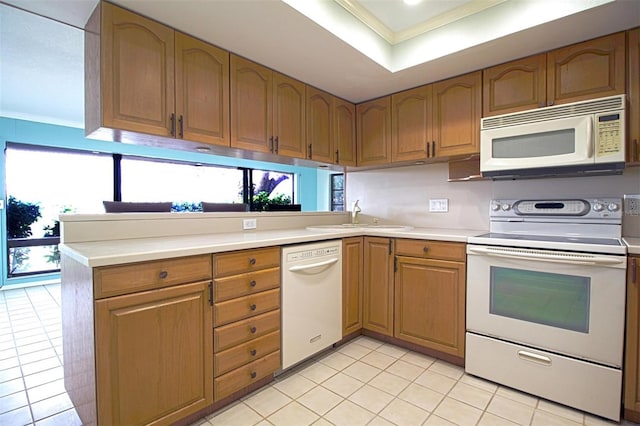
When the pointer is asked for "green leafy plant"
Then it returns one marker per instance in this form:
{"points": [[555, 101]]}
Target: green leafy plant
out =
{"points": [[20, 217], [261, 200]]}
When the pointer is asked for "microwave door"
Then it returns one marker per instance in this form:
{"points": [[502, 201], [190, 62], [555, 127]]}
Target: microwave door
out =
{"points": [[553, 143]]}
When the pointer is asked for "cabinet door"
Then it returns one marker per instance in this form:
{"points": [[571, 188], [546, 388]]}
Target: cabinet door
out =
{"points": [[289, 123], [202, 91], [137, 73], [411, 113], [319, 129], [633, 94], [344, 128], [352, 276], [374, 131], [515, 86], [251, 103], [154, 354], [378, 285], [588, 70], [430, 303], [457, 106], [632, 343]]}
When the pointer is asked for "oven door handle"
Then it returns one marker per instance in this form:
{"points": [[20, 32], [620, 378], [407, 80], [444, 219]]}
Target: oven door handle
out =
{"points": [[539, 255]]}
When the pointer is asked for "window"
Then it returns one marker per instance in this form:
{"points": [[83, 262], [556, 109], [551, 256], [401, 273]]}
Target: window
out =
{"points": [[272, 190], [337, 192]]}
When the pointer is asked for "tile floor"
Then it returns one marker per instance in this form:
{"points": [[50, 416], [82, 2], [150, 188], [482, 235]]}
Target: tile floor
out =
{"points": [[364, 382]]}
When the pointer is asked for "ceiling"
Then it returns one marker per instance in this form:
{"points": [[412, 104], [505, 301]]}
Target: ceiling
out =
{"points": [[355, 49]]}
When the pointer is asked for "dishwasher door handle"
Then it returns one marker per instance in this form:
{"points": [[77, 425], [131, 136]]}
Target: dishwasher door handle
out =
{"points": [[312, 268]]}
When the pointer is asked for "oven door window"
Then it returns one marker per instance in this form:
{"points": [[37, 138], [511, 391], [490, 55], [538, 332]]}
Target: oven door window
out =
{"points": [[556, 300]]}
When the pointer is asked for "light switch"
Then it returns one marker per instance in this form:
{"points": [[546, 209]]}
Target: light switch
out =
{"points": [[440, 205]]}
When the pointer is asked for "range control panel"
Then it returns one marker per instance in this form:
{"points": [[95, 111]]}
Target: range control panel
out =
{"points": [[597, 208]]}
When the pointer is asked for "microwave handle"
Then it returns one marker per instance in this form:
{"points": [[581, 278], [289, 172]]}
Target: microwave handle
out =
{"points": [[590, 138]]}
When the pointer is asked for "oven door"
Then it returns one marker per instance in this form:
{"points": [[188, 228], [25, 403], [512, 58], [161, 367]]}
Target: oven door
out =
{"points": [[564, 302]]}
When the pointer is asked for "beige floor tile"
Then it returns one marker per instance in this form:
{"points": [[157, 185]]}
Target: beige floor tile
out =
{"points": [[368, 342], [294, 385], [516, 395], [446, 369], [378, 360], [322, 422], [470, 395], [343, 384], [405, 370], [402, 413], [380, 421], [239, 413], [389, 383], [392, 350], [361, 371], [479, 383], [320, 400], [349, 414], [489, 419], [457, 412], [371, 398], [510, 409], [318, 372], [267, 401], [293, 414], [545, 418], [354, 350], [425, 398], [420, 360], [561, 410], [435, 381], [337, 360], [434, 420]]}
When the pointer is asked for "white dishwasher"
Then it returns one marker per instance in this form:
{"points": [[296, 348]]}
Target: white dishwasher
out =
{"points": [[311, 299]]}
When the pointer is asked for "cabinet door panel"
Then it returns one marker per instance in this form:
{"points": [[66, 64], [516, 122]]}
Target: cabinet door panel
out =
{"points": [[378, 285], [152, 355], [411, 124], [515, 86], [633, 93], [319, 129], [251, 104], [289, 116], [138, 72], [202, 91], [592, 69], [344, 125], [352, 277], [374, 131]]}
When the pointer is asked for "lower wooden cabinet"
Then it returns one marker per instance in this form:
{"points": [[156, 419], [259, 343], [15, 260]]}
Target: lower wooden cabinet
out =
{"points": [[352, 276], [632, 342], [378, 285]]}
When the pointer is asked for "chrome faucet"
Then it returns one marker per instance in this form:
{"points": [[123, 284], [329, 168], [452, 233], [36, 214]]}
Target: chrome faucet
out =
{"points": [[354, 212]]}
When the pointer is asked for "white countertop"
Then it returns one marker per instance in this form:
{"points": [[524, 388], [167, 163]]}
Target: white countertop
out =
{"points": [[114, 252], [633, 244]]}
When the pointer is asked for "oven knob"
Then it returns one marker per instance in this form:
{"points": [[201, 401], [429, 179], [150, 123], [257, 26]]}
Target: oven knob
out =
{"points": [[598, 207], [495, 207], [613, 207], [506, 207]]}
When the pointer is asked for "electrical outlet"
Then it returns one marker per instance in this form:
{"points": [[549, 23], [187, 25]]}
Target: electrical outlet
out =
{"points": [[632, 205], [249, 224], [439, 205]]}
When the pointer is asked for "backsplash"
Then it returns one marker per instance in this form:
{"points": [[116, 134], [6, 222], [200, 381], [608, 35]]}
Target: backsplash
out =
{"points": [[402, 194]]}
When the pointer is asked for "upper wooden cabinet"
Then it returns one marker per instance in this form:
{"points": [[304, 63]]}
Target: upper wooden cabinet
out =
{"points": [[411, 124], [588, 70], [344, 132], [633, 94], [457, 109], [145, 78], [374, 131], [267, 110]]}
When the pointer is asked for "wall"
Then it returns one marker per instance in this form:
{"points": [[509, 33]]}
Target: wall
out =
{"points": [[401, 195]]}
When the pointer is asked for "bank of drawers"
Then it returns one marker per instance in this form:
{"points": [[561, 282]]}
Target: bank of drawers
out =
{"points": [[246, 318]]}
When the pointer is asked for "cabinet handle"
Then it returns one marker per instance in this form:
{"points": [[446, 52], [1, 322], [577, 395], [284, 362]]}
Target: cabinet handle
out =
{"points": [[253, 330], [428, 150], [337, 156], [271, 144], [181, 122], [425, 249], [277, 145], [173, 124], [252, 261], [254, 374], [163, 275], [252, 283], [253, 307], [310, 151], [211, 294], [433, 148], [253, 352]]}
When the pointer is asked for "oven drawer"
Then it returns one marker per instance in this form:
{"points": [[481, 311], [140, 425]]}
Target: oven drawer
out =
{"points": [[585, 386]]}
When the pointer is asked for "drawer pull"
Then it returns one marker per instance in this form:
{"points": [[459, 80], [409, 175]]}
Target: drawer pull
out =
{"points": [[538, 359], [253, 330], [254, 374], [252, 261], [425, 249], [252, 283], [163, 275], [253, 307], [253, 352]]}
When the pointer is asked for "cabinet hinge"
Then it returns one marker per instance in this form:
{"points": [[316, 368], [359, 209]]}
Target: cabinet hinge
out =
{"points": [[211, 294]]}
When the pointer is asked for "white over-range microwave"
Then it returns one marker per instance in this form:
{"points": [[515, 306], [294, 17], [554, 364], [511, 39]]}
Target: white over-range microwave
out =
{"points": [[581, 138]]}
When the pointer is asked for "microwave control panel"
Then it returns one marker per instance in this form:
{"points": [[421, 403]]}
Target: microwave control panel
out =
{"points": [[610, 134]]}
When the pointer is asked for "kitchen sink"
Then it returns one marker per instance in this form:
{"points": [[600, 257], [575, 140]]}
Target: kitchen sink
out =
{"points": [[344, 226]]}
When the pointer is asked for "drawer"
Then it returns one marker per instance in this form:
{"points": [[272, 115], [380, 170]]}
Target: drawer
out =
{"points": [[245, 353], [238, 262], [244, 284], [242, 377], [134, 277], [242, 331], [431, 249], [246, 306]]}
